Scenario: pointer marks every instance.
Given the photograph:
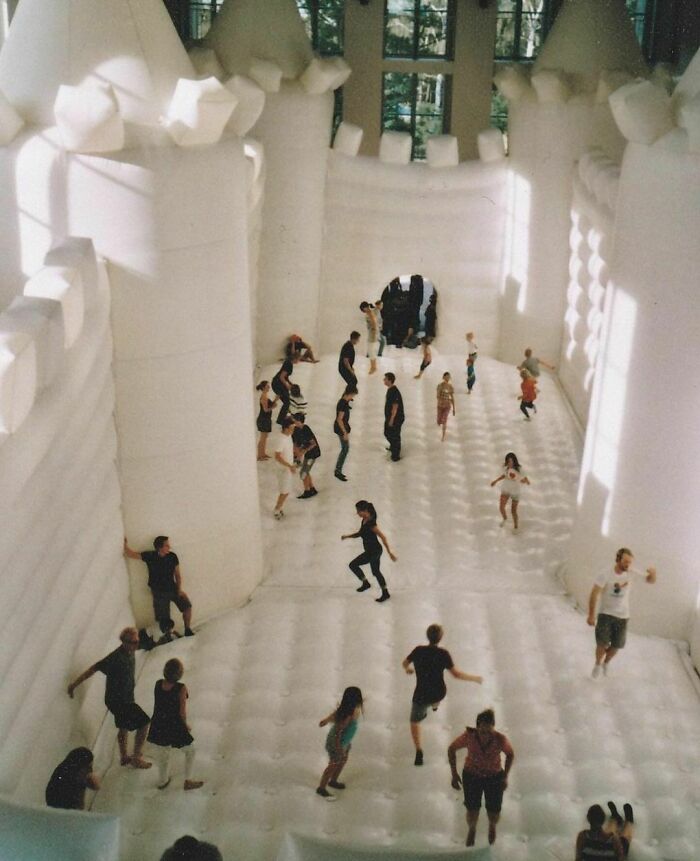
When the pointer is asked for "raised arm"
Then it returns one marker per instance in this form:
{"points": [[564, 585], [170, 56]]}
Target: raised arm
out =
{"points": [[129, 553]]}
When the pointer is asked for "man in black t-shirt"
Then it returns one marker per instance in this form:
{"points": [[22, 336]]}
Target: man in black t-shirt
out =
{"points": [[307, 450], [430, 662], [119, 668], [165, 583], [346, 360], [393, 416], [341, 426]]}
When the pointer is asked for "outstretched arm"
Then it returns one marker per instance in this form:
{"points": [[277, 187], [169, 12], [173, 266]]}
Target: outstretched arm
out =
{"points": [[465, 677], [81, 678], [327, 720], [651, 574], [129, 553], [496, 480]]}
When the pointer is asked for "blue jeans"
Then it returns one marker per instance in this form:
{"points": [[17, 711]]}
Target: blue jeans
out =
{"points": [[382, 344], [344, 449]]}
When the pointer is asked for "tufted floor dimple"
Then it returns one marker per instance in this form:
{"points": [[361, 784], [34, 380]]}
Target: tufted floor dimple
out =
{"points": [[261, 677]]}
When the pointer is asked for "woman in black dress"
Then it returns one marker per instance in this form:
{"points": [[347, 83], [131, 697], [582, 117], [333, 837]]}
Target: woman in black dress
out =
{"points": [[169, 724], [370, 534], [66, 788], [264, 420]]}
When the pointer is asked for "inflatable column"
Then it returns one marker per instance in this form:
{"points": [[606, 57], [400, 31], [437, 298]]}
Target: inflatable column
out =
{"points": [[269, 45], [554, 117], [637, 483]]}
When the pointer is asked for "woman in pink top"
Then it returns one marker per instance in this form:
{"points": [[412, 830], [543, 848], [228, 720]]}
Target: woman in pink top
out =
{"points": [[483, 773]]}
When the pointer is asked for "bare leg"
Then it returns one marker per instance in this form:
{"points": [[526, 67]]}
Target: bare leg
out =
{"points": [[600, 652], [415, 734], [280, 501], [514, 512], [137, 760], [444, 430], [610, 653], [493, 821], [328, 774], [187, 618], [122, 737], [373, 366], [472, 819], [502, 508], [262, 442]]}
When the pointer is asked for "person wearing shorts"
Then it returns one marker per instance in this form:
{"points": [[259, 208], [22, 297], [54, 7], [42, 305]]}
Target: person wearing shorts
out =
{"points": [[429, 663], [483, 774], [119, 668], [445, 402], [512, 478], [165, 583], [307, 448], [613, 588], [284, 460]]}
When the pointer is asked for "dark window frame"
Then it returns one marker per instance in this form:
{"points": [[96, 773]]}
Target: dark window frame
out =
{"points": [[415, 55]]}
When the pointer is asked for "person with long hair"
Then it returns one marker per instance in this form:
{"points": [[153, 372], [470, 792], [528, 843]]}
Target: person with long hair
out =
{"points": [[445, 402], [169, 727], [344, 720], [264, 420], [70, 779], [512, 478], [371, 535], [483, 773]]}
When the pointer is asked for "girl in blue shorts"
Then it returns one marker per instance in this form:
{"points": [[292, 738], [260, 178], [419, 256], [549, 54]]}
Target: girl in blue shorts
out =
{"points": [[338, 741]]}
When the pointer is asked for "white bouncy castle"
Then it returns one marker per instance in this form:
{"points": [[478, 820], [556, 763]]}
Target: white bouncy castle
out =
{"points": [[167, 219]]}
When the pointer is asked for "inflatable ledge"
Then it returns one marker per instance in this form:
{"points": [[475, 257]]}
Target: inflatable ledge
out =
{"points": [[296, 847]]}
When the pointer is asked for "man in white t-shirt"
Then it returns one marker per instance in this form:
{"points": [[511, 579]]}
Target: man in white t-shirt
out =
{"points": [[284, 461], [613, 586]]}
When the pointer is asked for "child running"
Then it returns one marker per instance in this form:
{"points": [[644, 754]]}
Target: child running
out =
{"points": [[338, 741], [528, 394], [445, 402], [512, 478], [471, 375], [427, 357], [169, 724]]}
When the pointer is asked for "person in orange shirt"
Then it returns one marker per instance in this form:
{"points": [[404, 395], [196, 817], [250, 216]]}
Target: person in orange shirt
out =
{"points": [[483, 773], [529, 393]]}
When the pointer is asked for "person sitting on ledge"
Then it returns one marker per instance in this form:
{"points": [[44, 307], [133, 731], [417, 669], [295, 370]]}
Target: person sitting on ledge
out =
{"points": [[296, 348]]}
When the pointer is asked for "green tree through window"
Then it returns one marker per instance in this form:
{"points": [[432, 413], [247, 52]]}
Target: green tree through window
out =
{"points": [[324, 25], [418, 104], [419, 29]]}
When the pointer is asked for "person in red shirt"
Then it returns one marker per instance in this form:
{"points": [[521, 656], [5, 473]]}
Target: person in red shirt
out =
{"points": [[529, 393], [483, 773]]}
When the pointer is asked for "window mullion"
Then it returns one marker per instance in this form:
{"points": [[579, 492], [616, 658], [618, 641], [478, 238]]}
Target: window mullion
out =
{"points": [[414, 108], [517, 29], [416, 28]]}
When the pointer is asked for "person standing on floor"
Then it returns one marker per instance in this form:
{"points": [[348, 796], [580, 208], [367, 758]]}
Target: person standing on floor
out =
{"points": [[613, 587], [393, 416], [445, 402], [281, 384], [371, 535], [528, 393], [427, 357], [341, 426], [339, 739], [165, 583], [346, 360], [471, 375], [472, 349], [120, 669], [431, 316], [512, 478], [70, 779], [372, 335], [169, 726], [307, 450], [284, 459], [483, 773], [264, 420], [429, 663], [378, 308]]}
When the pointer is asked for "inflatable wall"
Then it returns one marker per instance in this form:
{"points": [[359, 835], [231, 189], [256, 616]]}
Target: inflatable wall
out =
{"points": [[64, 581], [643, 428], [385, 220]]}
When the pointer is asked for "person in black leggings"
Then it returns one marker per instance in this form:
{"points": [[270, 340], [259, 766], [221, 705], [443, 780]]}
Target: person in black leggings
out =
{"points": [[370, 534]]}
